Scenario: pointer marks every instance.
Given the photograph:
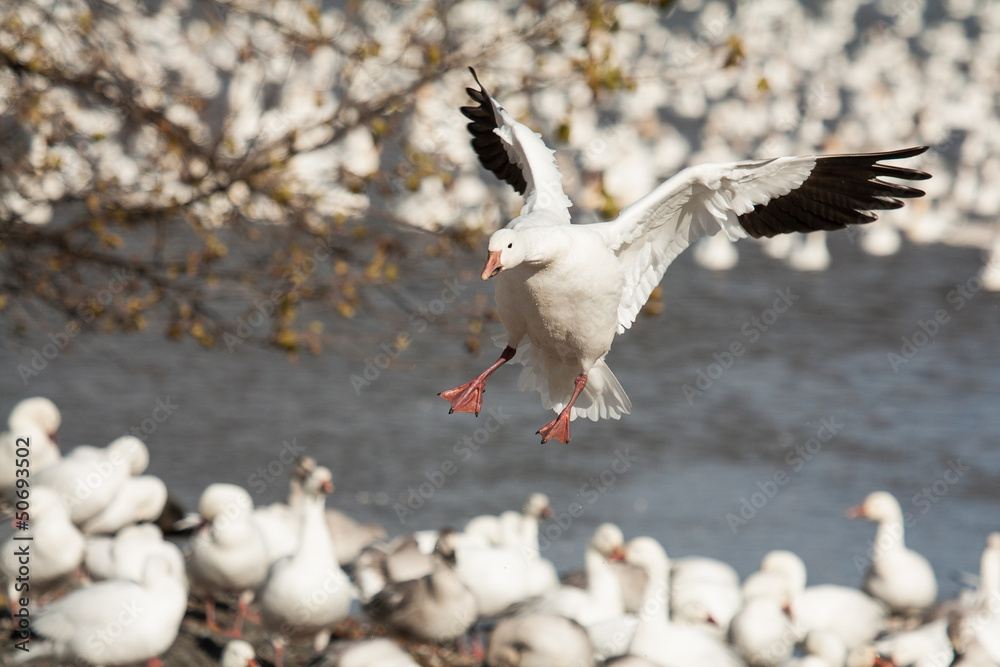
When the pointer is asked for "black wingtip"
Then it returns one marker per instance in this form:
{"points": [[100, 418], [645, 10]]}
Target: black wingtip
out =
{"points": [[478, 83]]}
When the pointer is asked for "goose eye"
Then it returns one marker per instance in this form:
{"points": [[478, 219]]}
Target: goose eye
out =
{"points": [[510, 245]]}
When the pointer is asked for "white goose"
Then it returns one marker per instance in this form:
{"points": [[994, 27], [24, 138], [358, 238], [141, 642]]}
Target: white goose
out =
{"points": [[38, 419], [88, 478], [762, 632], [349, 537], [567, 289], [899, 577], [539, 640], [853, 616], [228, 553], [380, 652], [238, 653], [307, 592], [438, 607], [55, 548], [125, 555], [656, 637], [116, 622], [705, 592], [602, 600], [512, 529], [140, 498]]}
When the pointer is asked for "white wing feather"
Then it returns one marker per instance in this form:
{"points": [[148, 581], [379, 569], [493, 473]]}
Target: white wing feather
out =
{"points": [[699, 201], [537, 163]]}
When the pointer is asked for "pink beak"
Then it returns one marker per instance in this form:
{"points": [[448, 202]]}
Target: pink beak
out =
{"points": [[856, 512], [493, 266], [326, 486]]}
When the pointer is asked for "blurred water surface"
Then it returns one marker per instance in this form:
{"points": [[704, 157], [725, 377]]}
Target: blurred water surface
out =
{"points": [[691, 463]]}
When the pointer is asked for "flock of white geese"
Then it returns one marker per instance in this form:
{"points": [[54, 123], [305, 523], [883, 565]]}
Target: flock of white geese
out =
{"points": [[299, 568]]}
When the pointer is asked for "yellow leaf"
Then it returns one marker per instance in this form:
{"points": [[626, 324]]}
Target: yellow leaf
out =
{"points": [[346, 309]]}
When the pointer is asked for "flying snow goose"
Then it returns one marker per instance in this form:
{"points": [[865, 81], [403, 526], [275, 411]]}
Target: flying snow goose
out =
{"points": [[228, 553], [563, 291], [116, 622], [307, 592], [899, 577]]}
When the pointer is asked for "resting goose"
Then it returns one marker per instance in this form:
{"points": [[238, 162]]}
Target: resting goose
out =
{"points": [[228, 553], [512, 529], [140, 498], [967, 643], [238, 653], [563, 291], [602, 600], [307, 592], [899, 577], [125, 555], [539, 640], [656, 637], [379, 652], [116, 622], [88, 478], [56, 547], [349, 537], [854, 617], [37, 419], [705, 592], [437, 607]]}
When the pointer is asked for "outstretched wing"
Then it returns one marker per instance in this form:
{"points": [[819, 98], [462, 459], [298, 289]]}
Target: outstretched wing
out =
{"points": [[755, 198], [515, 154]]}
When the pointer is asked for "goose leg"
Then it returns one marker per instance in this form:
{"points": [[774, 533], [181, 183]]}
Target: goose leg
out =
{"points": [[279, 651], [210, 621], [469, 396], [558, 428], [241, 613]]}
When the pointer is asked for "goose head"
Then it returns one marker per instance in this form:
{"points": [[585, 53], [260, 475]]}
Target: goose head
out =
{"points": [[608, 541], [304, 465], [447, 545], [538, 506], [509, 248], [39, 412], [132, 450], [878, 506], [648, 554], [789, 569], [224, 500], [238, 653], [319, 482]]}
